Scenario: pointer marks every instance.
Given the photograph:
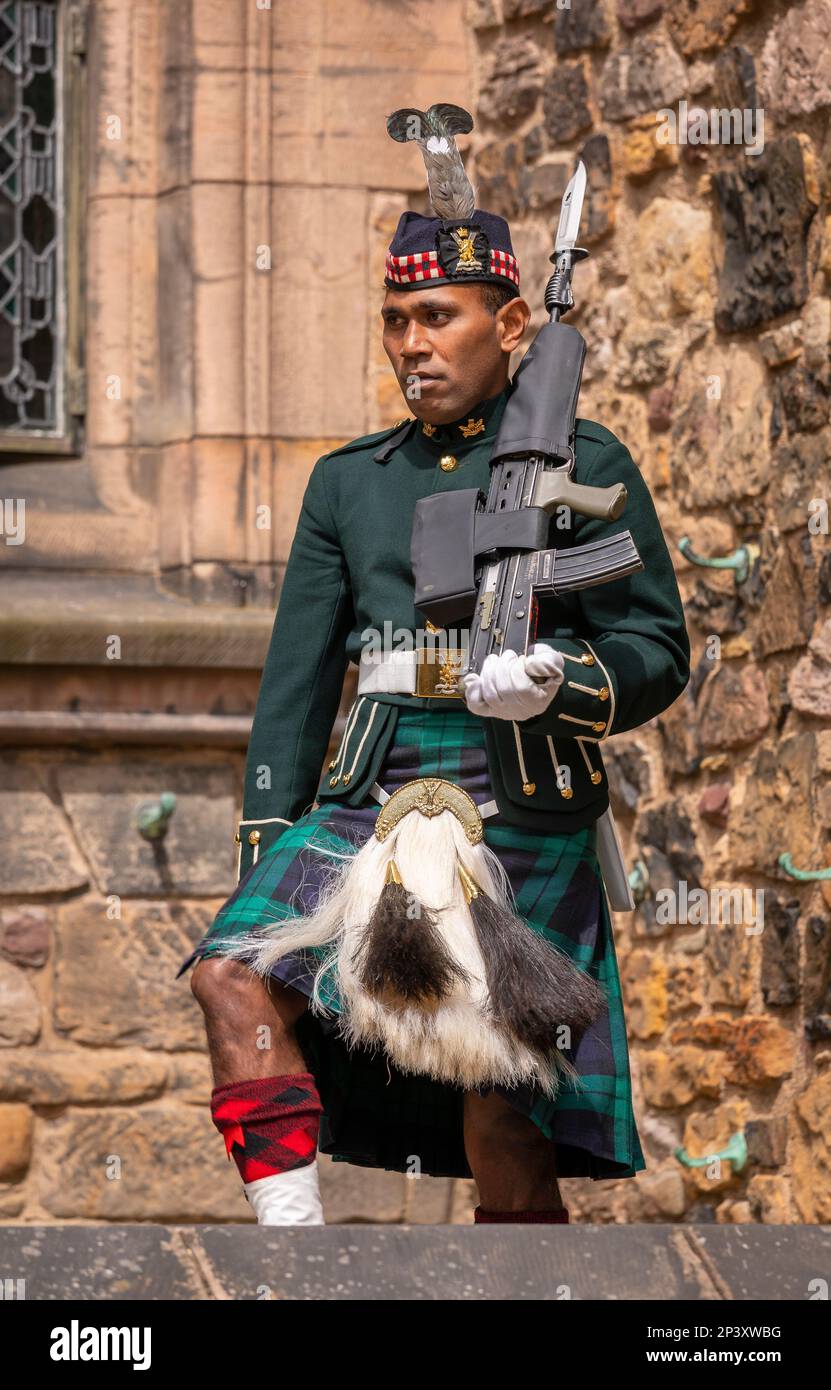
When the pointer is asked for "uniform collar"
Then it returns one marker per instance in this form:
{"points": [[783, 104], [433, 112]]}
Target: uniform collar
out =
{"points": [[475, 427], [479, 423]]}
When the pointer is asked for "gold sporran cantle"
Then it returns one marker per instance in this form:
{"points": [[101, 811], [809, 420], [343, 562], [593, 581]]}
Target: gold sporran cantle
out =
{"points": [[432, 961]]}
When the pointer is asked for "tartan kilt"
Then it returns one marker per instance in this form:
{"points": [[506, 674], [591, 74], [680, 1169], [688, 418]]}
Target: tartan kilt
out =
{"points": [[379, 1117]]}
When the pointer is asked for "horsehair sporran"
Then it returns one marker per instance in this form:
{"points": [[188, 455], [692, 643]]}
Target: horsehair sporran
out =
{"points": [[449, 980]]}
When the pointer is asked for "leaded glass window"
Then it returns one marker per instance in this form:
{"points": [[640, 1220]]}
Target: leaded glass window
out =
{"points": [[39, 49]]}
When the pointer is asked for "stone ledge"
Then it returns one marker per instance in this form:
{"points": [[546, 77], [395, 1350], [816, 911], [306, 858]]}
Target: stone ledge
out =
{"points": [[72, 627], [396, 1262], [28, 728]]}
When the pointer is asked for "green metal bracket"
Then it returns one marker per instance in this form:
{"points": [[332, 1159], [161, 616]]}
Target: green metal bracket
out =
{"points": [[741, 561], [803, 875], [639, 881], [153, 817], [735, 1153]]}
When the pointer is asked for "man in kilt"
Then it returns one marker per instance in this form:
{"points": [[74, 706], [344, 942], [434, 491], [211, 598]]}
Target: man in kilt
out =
{"points": [[337, 1017]]}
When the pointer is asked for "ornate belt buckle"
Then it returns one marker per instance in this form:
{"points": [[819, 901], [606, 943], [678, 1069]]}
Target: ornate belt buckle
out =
{"points": [[437, 670], [436, 679]]}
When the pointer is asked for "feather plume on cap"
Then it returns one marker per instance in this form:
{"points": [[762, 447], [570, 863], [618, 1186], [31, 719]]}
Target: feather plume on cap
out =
{"points": [[433, 130]]}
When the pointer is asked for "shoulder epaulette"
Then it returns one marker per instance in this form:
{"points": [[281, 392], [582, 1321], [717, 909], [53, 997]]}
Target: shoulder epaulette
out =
{"points": [[389, 438], [399, 434], [590, 429]]}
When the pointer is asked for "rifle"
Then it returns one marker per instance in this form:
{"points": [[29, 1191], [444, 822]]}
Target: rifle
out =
{"points": [[487, 558]]}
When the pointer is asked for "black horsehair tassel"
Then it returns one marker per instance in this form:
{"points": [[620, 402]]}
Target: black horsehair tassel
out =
{"points": [[401, 950], [534, 987]]}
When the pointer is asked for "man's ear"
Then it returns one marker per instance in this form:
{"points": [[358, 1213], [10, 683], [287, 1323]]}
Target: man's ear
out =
{"points": [[512, 320]]}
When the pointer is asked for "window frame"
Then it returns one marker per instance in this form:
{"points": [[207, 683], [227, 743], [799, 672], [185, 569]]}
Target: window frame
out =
{"points": [[67, 438]]}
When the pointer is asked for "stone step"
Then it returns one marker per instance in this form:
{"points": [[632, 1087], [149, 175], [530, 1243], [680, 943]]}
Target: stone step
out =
{"points": [[398, 1262]]}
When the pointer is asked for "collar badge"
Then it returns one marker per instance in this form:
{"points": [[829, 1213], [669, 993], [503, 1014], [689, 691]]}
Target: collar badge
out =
{"points": [[472, 427]]}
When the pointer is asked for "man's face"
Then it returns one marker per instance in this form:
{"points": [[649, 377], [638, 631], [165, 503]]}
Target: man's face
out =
{"points": [[447, 350]]}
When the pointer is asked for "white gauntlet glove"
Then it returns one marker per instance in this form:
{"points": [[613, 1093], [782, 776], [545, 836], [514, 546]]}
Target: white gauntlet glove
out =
{"points": [[506, 689]]}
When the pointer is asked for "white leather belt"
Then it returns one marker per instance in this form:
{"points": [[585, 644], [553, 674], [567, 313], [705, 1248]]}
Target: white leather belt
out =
{"points": [[394, 673], [416, 672]]}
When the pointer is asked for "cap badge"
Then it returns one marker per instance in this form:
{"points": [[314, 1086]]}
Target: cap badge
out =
{"points": [[466, 242], [463, 250]]}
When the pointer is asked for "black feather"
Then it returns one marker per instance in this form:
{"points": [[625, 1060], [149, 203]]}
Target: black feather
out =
{"points": [[446, 119], [408, 123]]}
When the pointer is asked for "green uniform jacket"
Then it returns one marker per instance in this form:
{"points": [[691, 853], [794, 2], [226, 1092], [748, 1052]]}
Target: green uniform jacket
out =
{"points": [[625, 644]]}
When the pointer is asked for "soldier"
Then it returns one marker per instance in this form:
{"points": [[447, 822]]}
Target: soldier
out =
{"points": [[429, 1041]]}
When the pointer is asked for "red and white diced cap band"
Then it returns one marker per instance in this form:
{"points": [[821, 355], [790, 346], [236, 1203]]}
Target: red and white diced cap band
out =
{"points": [[424, 265]]}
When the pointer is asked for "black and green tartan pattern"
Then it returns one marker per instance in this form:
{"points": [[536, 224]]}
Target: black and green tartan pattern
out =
{"points": [[377, 1116]]}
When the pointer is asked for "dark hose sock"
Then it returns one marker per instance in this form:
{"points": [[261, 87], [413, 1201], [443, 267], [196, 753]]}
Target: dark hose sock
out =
{"points": [[546, 1214]]}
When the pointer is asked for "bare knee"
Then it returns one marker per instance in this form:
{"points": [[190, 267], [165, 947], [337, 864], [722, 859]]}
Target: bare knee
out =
{"points": [[216, 980], [225, 986]]}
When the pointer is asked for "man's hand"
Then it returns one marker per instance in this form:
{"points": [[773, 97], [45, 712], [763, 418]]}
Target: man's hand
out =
{"points": [[507, 688]]}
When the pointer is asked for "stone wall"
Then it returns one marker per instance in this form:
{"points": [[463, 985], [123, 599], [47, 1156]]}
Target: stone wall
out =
{"points": [[705, 305]]}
